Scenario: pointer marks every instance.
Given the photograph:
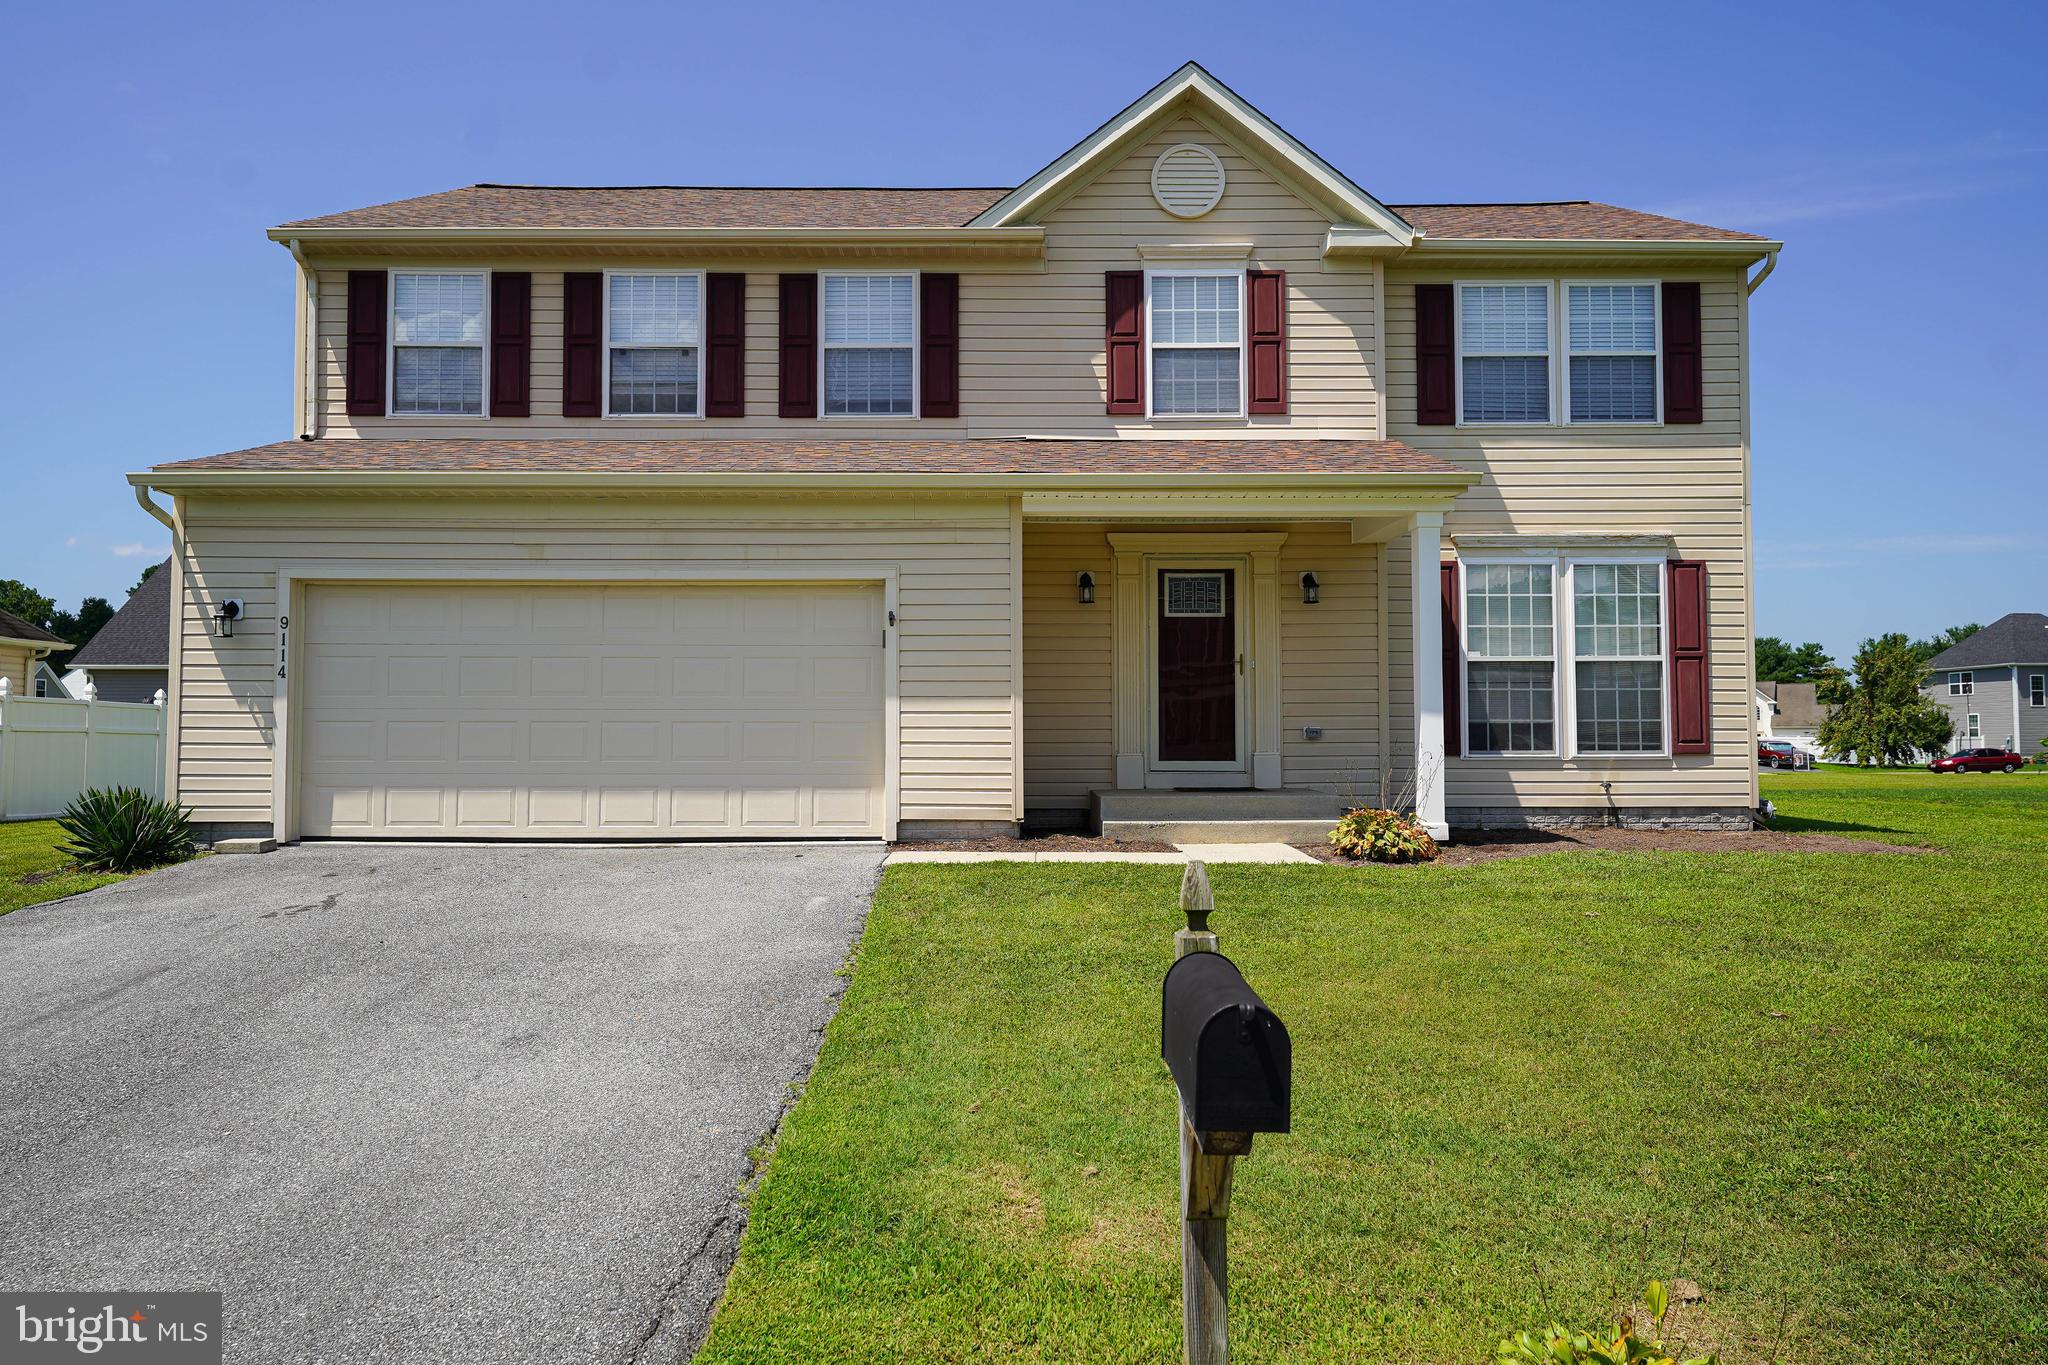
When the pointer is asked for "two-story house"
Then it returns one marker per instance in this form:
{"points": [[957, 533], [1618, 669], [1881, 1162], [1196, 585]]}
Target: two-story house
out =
{"points": [[1994, 685], [1183, 481]]}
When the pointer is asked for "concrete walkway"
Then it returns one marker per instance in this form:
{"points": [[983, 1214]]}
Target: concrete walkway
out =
{"points": [[1185, 853]]}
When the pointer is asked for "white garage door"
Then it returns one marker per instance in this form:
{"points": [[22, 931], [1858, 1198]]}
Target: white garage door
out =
{"points": [[553, 710]]}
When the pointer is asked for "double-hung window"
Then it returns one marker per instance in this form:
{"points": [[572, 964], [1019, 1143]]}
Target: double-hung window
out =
{"points": [[654, 353], [1511, 658], [870, 345], [1973, 727], [437, 343], [1961, 684], [1196, 335], [1503, 353], [1611, 371], [2037, 689], [1618, 658]]}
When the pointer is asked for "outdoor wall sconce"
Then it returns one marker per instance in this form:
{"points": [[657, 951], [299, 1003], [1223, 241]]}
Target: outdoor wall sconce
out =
{"points": [[1309, 589], [1084, 587], [226, 614]]}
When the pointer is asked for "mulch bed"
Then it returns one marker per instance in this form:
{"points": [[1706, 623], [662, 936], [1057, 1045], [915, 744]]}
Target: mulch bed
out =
{"points": [[1485, 846], [1039, 843]]}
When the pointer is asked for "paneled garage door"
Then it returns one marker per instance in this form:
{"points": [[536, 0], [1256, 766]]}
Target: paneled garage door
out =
{"points": [[564, 710]]}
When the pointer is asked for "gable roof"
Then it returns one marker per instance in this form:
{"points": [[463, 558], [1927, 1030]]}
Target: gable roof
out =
{"points": [[1798, 704], [2019, 637], [667, 206], [1192, 84], [1559, 220], [12, 627], [139, 633]]}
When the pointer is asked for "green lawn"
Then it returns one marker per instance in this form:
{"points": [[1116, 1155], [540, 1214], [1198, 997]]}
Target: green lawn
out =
{"points": [[32, 870], [1817, 1085]]}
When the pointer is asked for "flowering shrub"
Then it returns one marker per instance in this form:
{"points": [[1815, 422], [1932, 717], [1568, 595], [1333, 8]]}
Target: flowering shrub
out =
{"points": [[1383, 836]]}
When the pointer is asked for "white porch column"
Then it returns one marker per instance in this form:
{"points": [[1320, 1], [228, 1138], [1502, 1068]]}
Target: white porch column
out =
{"points": [[1263, 668], [1128, 685], [1425, 615]]}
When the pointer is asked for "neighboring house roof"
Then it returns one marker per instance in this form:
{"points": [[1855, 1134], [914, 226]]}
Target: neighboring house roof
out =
{"points": [[1797, 705], [2020, 637], [13, 628], [139, 635], [668, 206], [1562, 220], [714, 456]]}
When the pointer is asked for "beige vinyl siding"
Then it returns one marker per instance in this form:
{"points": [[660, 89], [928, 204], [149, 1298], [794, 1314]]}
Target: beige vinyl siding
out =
{"points": [[1030, 332], [952, 559], [1329, 672], [16, 663]]}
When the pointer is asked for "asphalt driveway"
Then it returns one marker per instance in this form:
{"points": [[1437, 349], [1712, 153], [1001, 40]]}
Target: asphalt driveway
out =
{"points": [[415, 1103]]}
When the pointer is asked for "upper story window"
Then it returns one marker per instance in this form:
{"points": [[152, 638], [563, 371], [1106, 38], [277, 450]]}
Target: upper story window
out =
{"points": [[1961, 684], [870, 345], [1504, 352], [437, 343], [1611, 352], [1195, 333], [653, 349]]}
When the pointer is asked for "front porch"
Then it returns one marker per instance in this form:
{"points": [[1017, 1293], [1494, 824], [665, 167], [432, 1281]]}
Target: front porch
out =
{"points": [[1237, 679]]}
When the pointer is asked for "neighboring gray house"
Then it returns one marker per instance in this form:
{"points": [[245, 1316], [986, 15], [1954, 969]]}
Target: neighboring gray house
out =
{"points": [[130, 658], [1995, 685]]}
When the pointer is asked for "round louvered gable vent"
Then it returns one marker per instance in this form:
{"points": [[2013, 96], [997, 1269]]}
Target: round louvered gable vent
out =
{"points": [[1187, 180]]}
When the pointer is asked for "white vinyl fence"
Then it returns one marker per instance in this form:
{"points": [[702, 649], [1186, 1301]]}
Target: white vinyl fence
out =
{"points": [[52, 749]]}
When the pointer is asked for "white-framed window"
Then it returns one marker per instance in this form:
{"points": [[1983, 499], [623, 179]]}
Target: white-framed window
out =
{"points": [[437, 343], [1612, 374], [1564, 656], [1973, 726], [1961, 684], [1504, 345], [42, 686], [1194, 342], [869, 345], [654, 343], [2037, 689], [1510, 622]]}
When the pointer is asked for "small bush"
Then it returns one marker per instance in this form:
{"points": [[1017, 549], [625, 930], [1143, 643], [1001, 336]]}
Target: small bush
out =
{"points": [[1559, 1347], [121, 829], [1383, 836]]}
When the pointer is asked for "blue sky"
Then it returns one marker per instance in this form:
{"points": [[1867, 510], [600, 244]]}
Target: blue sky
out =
{"points": [[1898, 351]]}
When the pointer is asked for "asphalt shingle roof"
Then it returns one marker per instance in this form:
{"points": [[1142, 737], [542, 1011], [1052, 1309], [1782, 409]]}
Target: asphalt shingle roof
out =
{"points": [[2021, 637], [12, 627], [139, 633]]}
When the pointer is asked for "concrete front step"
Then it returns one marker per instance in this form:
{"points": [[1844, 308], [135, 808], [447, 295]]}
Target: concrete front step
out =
{"points": [[1192, 831], [1243, 803]]}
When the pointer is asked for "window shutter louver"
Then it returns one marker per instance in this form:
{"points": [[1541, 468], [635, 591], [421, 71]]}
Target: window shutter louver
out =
{"points": [[725, 345], [1454, 716], [797, 345], [1436, 357], [939, 345], [1691, 693], [583, 344], [368, 316], [1123, 293], [1266, 335], [1684, 365], [511, 343]]}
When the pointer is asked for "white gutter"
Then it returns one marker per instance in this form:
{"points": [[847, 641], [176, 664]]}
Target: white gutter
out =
{"points": [[1770, 264], [309, 423]]}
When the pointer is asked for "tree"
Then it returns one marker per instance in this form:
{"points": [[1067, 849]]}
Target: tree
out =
{"points": [[25, 602], [1777, 661], [1944, 639], [1880, 715], [83, 624], [144, 579]]}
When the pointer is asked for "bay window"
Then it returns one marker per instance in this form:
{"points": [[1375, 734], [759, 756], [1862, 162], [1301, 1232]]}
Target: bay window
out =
{"points": [[653, 344], [1504, 353], [1195, 333], [437, 343], [1618, 657], [1611, 352], [1511, 659], [870, 343]]}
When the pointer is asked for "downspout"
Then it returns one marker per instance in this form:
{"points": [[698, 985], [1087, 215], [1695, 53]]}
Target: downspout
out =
{"points": [[1755, 283], [308, 353], [151, 507]]}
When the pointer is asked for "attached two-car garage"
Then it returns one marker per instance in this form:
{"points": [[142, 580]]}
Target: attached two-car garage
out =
{"points": [[591, 710]]}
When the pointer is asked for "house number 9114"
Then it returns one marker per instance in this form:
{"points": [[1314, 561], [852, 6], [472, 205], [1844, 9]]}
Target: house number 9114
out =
{"points": [[284, 625]]}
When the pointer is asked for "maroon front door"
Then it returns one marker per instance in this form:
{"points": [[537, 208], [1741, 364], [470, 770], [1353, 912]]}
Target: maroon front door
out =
{"points": [[1197, 666]]}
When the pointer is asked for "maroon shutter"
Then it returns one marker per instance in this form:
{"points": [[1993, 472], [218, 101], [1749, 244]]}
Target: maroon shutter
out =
{"points": [[1266, 331], [1454, 722], [511, 342], [1123, 293], [725, 345], [583, 344], [1691, 695], [1436, 357], [939, 345], [797, 344], [366, 322], [1685, 399]]}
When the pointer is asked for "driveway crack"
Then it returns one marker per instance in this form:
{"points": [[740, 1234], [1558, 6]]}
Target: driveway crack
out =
{"points": [[681, 1317]]}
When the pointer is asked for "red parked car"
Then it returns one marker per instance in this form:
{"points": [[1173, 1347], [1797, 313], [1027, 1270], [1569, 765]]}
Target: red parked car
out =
{"points": [[1979, 761], [1778, 753]]}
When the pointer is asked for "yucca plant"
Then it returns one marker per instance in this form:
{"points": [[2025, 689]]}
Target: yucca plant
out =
{"points": [[123, 829], [1631, 1343]]}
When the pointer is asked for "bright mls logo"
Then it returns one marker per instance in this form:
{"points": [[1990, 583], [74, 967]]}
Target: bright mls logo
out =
{"points": [[164, 1329]]}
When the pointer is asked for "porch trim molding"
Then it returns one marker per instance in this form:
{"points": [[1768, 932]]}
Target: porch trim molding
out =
{"points": [[1133, 552]]}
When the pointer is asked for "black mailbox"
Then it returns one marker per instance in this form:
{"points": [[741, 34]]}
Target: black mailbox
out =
{"points": [[1229, 1054]]}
